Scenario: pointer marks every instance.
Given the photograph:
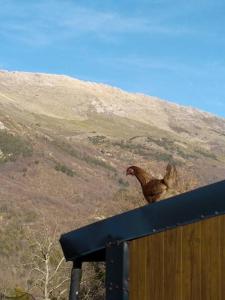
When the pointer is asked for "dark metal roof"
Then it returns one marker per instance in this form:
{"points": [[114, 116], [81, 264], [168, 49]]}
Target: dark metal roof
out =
{"points": [[89, 242]]}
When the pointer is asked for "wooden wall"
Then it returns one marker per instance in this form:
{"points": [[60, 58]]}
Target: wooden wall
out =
{"points": [[185, 263]]}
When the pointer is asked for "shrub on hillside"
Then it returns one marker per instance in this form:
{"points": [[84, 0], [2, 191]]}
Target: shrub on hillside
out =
{"points": [[12, 146], [64, 169]]}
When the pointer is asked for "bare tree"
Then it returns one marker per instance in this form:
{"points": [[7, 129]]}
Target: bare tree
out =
{"points": [[46, 264]]}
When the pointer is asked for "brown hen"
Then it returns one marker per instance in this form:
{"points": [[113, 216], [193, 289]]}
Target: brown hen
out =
{"points": [[153, 189]]}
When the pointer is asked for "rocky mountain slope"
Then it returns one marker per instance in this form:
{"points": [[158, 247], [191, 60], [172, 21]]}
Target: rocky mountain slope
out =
{"points": [[65, 145]]}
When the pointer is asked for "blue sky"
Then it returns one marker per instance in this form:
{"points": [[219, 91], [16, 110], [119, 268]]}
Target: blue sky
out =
{"points": [[173, 49]]}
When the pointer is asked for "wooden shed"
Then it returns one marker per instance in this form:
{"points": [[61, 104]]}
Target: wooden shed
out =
{"points": [[169, 250]]}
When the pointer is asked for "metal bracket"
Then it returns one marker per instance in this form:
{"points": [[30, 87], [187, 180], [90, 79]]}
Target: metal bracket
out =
{"points": [[117, 271]]}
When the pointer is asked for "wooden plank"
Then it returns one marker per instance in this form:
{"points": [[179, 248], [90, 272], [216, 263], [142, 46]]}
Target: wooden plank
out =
{"points": [[155, 267], [210, 260], [191, 262], [173, 264], [142, 266], [222, 256], [138, 267], [133, 278]]}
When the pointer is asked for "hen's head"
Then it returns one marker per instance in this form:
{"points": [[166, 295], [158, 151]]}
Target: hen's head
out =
{"points": [[131, 171]]}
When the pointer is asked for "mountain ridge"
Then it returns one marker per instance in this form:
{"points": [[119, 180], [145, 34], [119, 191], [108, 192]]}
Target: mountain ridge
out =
{"points": [[88, 83]]}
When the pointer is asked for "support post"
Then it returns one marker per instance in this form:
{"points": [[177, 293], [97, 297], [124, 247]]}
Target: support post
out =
{"points": [[75, 281], [117, 271]]}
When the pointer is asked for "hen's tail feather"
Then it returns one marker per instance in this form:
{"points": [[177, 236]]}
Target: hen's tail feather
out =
{"points": [[170, 179]]}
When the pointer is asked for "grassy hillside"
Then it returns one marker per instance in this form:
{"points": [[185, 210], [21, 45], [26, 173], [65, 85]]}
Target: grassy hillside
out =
{"points": [[64, 148]]}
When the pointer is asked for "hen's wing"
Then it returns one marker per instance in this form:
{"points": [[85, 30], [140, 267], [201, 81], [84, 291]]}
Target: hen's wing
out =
{"points": [[170, 178], [147, 176], [153, 190]]}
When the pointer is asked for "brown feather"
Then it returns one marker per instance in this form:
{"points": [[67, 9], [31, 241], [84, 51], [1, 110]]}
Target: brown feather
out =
{"points": [[154, 188]]}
